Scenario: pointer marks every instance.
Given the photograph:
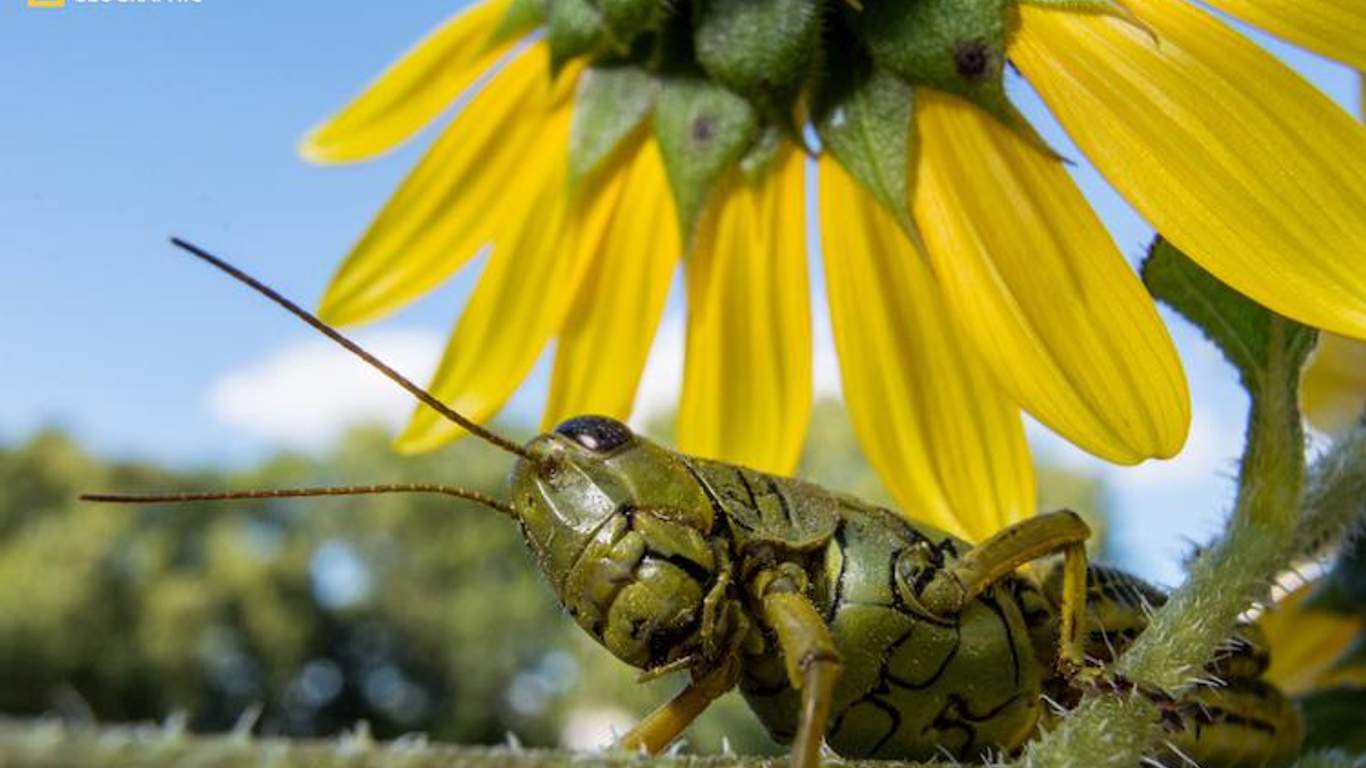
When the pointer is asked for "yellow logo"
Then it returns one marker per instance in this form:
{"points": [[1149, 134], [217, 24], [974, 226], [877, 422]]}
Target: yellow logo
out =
{"points": [[46, 3]]}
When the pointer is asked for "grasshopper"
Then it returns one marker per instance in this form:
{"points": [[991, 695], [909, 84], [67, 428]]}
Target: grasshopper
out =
{"points": [[839, 621]]}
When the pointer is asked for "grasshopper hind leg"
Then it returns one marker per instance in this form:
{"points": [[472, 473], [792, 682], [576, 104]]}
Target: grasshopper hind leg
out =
{"points": [[1233, 718]]}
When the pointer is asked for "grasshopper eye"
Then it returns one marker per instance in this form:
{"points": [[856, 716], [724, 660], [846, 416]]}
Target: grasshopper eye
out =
{"points": [[596, 433]]}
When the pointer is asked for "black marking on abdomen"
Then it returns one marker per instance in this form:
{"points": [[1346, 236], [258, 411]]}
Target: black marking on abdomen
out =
{"points": [[957, 715], [995, 606], [887, 675], [892, 712]]}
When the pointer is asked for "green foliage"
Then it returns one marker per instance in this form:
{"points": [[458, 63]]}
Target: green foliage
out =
{"points": [[574, 28], [612, 101], [703, 129], [628, 18], [864, 120], [955, 46], [522, 17], [412, 613], [759, 48], [1267, 350]]}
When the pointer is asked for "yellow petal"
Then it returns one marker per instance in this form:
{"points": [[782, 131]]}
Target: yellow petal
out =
{"points": [[1038, 286], [1333, 393], [473, 184], [414, 90], [1306, 644], [519, 303], [747, 377], [940, 433], [602, 350], [1332, 28], [1234, 158]]}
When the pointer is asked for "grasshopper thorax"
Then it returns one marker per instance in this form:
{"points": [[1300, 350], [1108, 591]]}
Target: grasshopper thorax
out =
{"points": [[622, 530]]}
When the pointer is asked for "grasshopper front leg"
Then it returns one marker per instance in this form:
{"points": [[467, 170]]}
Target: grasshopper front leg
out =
{"points": [[809, 654], [662, 726]]}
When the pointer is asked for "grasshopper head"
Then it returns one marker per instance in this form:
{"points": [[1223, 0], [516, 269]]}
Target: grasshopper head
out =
{"points": [[618, 524]]}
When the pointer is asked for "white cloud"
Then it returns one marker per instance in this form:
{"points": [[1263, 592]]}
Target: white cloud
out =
{"points": [[305, 394]]}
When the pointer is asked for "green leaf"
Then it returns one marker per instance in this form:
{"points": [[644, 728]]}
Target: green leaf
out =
{"points": [[575, 28], [521, 17], [612, 100], [1335, 719], [703, 129], [865, 120], [1268, 351], [756, 46]]}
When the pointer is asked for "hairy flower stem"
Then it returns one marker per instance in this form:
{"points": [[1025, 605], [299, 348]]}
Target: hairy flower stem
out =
{"points": [[1334, 496], [1108, 730], [1104, 732], [1239, 569]]}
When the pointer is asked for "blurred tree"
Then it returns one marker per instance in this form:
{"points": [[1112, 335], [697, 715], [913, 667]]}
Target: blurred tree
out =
{"points": [[414, 613]]}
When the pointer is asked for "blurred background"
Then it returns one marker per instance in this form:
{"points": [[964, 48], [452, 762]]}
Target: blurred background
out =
{"points": [[129, 367], [411, 613]]}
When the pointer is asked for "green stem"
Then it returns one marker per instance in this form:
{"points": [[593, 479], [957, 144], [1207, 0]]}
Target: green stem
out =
{"points": [[1184, 634], [1239, 569]]}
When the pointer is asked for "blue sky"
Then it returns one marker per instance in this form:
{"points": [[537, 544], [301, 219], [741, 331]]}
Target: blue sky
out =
{"points": [[126, 123]]}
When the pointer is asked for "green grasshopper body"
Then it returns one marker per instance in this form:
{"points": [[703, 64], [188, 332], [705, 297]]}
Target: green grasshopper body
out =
{"points": [[839, 621], [656, 556]]}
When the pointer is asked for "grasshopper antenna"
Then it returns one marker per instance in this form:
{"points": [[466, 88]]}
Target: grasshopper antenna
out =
{"points": [[294, 493], [332, 333]]}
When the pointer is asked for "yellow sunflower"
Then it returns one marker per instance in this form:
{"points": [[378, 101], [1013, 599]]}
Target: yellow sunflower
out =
{"points": [[967, 277]]}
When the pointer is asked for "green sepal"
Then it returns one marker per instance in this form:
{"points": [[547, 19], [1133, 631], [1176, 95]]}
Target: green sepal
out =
{"points": [[761, 154], [956, 46], [865, 118], [703, 129], [1259, 343], [1268, 352], [574, 28], [521, 17], [628, 18], [756, 47], [611, 101]]}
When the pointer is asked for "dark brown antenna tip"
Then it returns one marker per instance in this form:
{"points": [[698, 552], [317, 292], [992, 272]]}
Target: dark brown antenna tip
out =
{"points": [[421, 394], [295, 493]]}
